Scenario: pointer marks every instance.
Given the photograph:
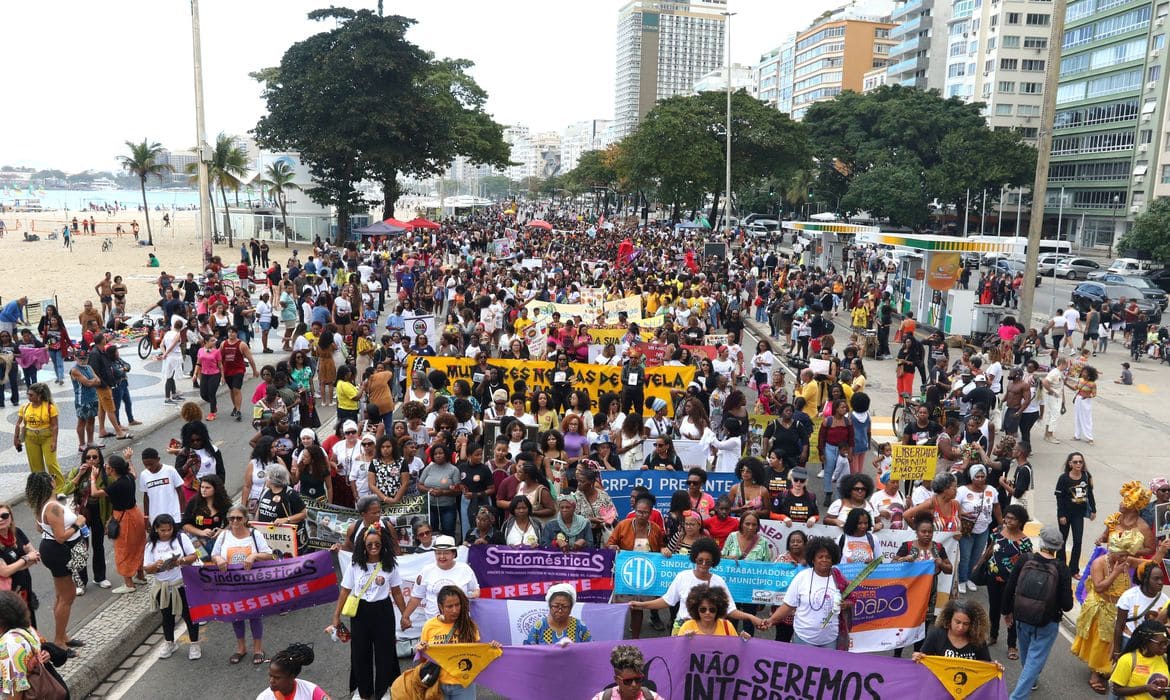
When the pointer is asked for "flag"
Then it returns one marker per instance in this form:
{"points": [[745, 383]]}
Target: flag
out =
{"points": [[961, 677], [510, 621], [463, 661]]}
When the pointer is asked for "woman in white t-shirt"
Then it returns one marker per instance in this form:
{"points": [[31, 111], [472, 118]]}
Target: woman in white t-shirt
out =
{"points": [[166, 551], [283, 683], [240, 545], [979, 505], [814, 601], [256, 475], [705, 555], [373, 578]]}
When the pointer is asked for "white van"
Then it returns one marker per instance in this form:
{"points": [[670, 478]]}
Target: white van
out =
{"points": [[1129, 266]]}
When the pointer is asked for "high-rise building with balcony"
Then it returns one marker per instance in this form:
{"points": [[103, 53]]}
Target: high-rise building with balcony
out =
{"points": [[835, 53], [919, 57], [997, 54], [663, 48], [774, 76], [1109, 139]]}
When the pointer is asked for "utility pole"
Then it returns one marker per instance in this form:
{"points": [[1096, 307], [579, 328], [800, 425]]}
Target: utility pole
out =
{"points": [[727, 184], [201, 148], [1043, 153]]}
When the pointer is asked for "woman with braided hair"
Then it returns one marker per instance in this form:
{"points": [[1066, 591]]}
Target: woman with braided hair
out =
{"points": [[1141, 669], [283, 683]]}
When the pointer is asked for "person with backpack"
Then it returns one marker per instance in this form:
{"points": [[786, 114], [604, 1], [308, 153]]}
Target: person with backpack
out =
{"points": [[1037, 595]]}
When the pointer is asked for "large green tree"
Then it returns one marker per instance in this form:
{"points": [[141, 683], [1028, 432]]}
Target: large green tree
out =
{"points": [[359, 102], [1150, 235], [946, 143], [143, 161], [680, 146], [889, 191]]}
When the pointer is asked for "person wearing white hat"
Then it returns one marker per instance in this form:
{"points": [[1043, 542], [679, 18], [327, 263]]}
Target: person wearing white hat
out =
{"points": [[657, 424], [445, 571], [560, 627]]}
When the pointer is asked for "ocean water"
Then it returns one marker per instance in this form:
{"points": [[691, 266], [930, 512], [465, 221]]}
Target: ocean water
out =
{"points": [[129, 199]]}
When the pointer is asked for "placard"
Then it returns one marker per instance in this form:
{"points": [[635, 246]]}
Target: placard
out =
{"points": [[1162, 520], [913, 462], [282, 538]]}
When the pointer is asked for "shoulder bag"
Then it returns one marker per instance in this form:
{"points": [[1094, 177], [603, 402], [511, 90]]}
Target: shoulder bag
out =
{"points": [[114, 526], [351, 602], [43, 681]]}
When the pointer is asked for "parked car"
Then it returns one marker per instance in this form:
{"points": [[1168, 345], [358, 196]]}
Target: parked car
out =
{"points": [[1148, 289], [1076, 268], [1047, 262], [1094, 293], [1124, 266], [757, 230], [1011, 267], [1160, 278]]}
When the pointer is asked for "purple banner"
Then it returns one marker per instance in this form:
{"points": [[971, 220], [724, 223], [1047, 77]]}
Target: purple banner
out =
{"points": [[523, 573], [268, 588], [509, 622], [728, 667]]}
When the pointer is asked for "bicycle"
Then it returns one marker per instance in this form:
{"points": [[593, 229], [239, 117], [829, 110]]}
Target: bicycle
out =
{"points": [[905, 412], [151, 340]]}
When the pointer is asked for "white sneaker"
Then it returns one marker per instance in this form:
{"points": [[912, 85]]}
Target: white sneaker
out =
{"points": [[821, 474], [79, 591], [194, 652], [104, 583], [167, 649]]}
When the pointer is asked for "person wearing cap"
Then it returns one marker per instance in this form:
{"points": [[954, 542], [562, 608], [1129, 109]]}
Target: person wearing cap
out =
{"points": [[359, 474], [444, 571], [568, 531], [603, 453], [889, 502], [560, 626], [1037, 636]]}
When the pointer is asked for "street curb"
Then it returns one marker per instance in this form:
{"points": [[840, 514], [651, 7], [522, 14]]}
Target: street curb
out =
{"points": [[112, 634]]}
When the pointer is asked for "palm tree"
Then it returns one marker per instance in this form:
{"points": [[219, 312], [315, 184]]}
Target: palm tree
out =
{"points": [[227, 164], [144, 162], [278, 179]]}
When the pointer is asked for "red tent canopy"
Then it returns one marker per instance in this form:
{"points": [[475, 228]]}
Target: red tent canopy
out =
{"points": [[395, 222], [540, 223], [422, 223]]}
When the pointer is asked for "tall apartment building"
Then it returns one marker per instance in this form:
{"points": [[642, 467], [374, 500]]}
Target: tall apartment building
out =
{"points": [[742, 78], [997, 53], [773, 75], [663, 48], [834, 54], [919, 57], [1110, 140], [579, 137]]}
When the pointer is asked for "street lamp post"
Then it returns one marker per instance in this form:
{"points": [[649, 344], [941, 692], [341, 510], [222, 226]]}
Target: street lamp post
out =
{"points": [[727, 184], [1113, 233]]}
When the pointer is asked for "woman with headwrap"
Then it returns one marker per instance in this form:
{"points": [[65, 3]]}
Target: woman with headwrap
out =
{"points": [[1134, 497], [978, 509], [1108, 580], [559, 627]]}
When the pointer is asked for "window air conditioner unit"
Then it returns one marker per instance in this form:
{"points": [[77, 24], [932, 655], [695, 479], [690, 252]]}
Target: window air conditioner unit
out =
{"points": [[1154, 53], [1151, 85], [1145, 117], [1138, 178], [1143, 148], [1159, 22], [1136, 209]]}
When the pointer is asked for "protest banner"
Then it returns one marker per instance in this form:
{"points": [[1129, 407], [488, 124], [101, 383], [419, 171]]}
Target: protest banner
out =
{"points": [[538, 374], [614, 334], [536, 338], [510, 621], [587, 312], [776, 533], [757, 424], [890, 603], [531, 263], [416, 325], [463, 661], [522, 573], [656, 321], [632, 305], [715, 339], [655, 353], [727, 667], [268, 588], [282, 538], [913, 462], [327, 524], [707, 351], [661, 484], [1162, 520]]}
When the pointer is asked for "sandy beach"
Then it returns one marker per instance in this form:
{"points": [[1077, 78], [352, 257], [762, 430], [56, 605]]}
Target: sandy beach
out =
{"points": [[46, 268]]}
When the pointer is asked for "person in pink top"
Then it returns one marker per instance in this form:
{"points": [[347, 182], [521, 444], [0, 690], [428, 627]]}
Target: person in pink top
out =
{"points": [[208, 371]]}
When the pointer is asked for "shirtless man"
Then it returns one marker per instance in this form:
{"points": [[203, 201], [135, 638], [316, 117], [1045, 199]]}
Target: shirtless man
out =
{"points": [[105, 291], [1016, 398]]}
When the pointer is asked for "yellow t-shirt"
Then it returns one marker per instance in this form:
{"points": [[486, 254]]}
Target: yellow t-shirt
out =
{"points": [[433, 632], [347, 395], [652, 303], [860, 317], [39, 417], [521, 323], [1135, 669], [723, 628]]}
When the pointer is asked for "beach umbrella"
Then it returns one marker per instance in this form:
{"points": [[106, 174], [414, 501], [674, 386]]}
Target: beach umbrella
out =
{"points": [[420, 222], [540, 223]]}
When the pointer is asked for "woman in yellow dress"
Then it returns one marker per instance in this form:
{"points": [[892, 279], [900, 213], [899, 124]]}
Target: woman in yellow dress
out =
{"points": [[1108, 579]]}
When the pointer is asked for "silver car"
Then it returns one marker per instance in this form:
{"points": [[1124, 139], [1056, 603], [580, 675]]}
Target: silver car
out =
{"points": [[1076, 268]]}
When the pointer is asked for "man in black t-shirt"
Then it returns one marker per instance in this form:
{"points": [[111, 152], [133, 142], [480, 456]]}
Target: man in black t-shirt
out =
{"points": [[885, 316], [922, 431]]}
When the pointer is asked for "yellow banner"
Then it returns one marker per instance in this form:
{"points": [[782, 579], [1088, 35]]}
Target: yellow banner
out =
{"points": [[632, 305], [613, 334], [538, 374], [463, 661], [650, 321], [960, 677], [914, 462]]}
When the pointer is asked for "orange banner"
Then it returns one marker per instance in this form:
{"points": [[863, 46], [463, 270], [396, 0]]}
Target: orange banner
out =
{"points": [[944, 270]]}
